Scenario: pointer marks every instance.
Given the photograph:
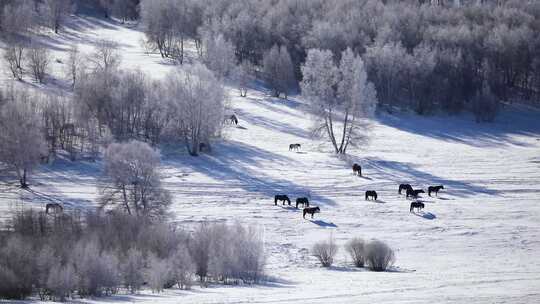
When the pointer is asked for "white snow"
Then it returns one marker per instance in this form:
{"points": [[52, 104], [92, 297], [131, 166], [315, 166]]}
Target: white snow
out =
{"points": [[478, 242]]}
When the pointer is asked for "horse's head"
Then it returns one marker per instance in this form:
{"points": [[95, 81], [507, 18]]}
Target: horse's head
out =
{"points": [[317, 209]]}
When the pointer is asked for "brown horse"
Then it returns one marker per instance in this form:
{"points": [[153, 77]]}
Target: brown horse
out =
{"points": [[302, 200], [294, 147], [311, 210], [405, 187], [414, 193], [231, 119], [417, 206], [372, 194], [435, 189], [282, 197], [357, 169]]}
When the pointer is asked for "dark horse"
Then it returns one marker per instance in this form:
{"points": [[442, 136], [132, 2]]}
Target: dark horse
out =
{"points": [[356, 169], [417, 206], [283, 198], [295, 147], [57, 208], [405, 187], [372, 194], [231, 118], [311, 210], [302, 200], [414, 193], [435, 189]]}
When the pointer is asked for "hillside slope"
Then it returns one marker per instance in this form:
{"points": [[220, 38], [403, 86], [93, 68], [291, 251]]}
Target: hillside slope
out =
{"points": [[476, 243]]}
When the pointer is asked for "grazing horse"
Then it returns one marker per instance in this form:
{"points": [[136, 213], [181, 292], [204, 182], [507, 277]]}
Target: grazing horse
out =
{"points": [[295, 147], [405, 187], [417, 206], [283, 198], [414, 193], [311, 210], [57, 208], [435, 189], [372, 194], [231, 119], [302, 200], [356, 169]]}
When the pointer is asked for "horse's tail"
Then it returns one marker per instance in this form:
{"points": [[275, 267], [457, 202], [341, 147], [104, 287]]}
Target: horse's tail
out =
{"points": [[304, 213]]}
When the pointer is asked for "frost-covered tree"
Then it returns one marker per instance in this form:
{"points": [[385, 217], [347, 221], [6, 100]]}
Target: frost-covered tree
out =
{"points": [[18, 17], [279, 70], [218, 55], [242, 76], [133, 181], [340, 98], [21, 139], [195, 99]]}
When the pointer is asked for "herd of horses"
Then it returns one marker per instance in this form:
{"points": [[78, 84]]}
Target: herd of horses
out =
{"points": [[409, 191]]}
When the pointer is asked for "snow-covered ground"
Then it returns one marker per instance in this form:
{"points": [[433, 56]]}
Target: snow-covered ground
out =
{"points": [[477, 242]]}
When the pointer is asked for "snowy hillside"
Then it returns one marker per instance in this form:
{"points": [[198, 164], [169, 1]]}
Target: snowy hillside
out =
{"points": [[477, 242]]}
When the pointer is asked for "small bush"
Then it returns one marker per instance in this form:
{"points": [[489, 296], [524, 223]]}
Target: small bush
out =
{"points": [[356, 249], [325, 251], [378, 255]]}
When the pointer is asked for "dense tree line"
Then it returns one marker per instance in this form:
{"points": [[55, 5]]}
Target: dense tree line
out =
{"points": [[422, 55], [73, 255]]}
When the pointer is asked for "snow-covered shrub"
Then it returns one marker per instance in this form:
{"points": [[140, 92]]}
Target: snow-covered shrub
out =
{"points": [[158, 273], [325, 251], [378, 255], [356, 249]]}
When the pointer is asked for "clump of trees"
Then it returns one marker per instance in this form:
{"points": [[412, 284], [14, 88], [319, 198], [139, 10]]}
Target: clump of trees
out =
{"points": [[374, 254], [73, 255]]}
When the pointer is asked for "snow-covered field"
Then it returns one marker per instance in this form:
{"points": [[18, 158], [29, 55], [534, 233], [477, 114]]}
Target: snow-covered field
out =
{"points": [[478, 242]]}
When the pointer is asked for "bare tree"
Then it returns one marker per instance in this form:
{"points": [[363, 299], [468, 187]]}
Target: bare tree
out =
{"points": [[38, 60], [73, 64], [13, 56], [133, 180], [105, 56]]}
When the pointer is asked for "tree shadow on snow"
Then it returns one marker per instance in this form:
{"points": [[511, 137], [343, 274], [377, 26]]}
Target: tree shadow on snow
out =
{"points": [[400, 172], [463, 129], [240, 165]]}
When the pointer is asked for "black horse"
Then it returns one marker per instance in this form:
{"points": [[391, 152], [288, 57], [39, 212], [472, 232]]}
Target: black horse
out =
{"points": [[357, 170], [414, 193], [282, 197], [295, 147], [57, 208], [417, 206], [311, 210], [372, 194], [405, 187], [435, 189], [232, 119], [302, 200]]}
